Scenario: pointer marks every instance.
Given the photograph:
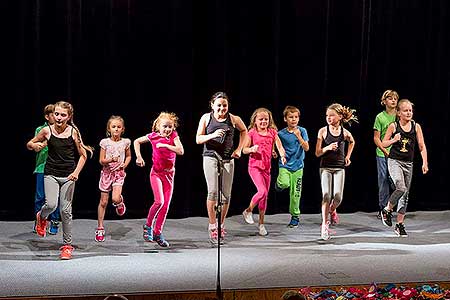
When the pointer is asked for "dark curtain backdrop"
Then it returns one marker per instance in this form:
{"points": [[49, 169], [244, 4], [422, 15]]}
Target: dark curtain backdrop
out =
{"points": [[137, 58]]}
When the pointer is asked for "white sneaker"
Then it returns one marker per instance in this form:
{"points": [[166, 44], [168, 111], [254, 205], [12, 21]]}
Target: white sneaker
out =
{"points": [[248, 217], [324, 232], [262, 230]]}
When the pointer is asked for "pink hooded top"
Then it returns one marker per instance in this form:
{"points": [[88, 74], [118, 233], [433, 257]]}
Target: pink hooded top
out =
{"points": [[163, 158]]}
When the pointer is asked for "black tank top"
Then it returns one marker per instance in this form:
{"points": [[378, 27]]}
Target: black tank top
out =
{"points": [[404, 148], [223, 145], [333, 159], [61, 156]]}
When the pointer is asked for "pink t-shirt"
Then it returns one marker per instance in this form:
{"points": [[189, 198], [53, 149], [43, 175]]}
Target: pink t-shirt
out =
{"points": [[262, 158], [163, 158], [115, 148]]}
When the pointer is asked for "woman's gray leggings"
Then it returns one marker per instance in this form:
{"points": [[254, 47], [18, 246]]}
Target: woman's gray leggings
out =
{"points": [[212, 178]]}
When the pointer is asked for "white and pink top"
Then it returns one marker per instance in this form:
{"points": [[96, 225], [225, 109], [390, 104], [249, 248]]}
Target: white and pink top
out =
{"points": [[115, 149]]}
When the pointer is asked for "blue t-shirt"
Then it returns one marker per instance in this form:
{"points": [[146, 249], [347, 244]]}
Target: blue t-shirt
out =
{"points": [[294, 151]]}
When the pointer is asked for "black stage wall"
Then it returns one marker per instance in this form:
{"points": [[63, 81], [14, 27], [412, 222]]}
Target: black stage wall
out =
{"points": [[136, 58]]}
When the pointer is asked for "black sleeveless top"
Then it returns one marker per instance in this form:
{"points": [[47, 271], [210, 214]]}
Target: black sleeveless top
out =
{"points": [[222, 145], [61, 156], [333, 159], [404, 148]]}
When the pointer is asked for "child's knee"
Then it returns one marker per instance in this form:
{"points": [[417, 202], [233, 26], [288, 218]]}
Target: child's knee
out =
{"points": [[282, 185], [116, 199], [326, 198], [337, 199]]}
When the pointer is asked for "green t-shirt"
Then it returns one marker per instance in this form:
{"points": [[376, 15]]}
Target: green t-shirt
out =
{"points": [[381, 124], [41, 156]]}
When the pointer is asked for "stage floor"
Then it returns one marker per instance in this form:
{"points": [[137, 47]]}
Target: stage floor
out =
{"points": [[361, 251]]}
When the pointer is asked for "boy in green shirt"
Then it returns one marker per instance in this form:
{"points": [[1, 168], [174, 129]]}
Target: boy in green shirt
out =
{"points": [[41, 158], [389, 100]]}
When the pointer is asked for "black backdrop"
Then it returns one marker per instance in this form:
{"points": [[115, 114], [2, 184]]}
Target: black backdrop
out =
{"points": [[136, 58]]}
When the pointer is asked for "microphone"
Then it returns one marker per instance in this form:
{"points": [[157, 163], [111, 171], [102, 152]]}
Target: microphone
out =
{"points": [[222, 138]]}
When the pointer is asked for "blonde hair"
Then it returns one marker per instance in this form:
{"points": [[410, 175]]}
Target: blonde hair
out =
{"points": [[347, 113], [290, 109], [112, 118], [260, 110], [67, 106], [165, 115], [388, 93], [400, 102], [404, 100]]}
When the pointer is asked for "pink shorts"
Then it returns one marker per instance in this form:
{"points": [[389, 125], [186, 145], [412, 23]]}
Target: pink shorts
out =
{"points": [[108, 179]]}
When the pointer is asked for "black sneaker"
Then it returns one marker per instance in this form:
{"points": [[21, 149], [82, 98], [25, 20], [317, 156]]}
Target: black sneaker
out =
{"points": [[386, 217], [159, 238], [294, 222], [400, 230]]}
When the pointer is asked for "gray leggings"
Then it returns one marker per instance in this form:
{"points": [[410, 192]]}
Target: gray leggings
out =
{"points": [[59, 188], [332, 181], [212, 179], [401, 174]]}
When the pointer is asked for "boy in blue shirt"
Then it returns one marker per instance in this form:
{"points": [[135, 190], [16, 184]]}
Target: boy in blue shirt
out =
{"points": [[295, 142]]}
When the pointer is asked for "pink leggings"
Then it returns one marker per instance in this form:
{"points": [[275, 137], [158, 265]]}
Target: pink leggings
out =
{"points": [[261, 179], [162, 186]]}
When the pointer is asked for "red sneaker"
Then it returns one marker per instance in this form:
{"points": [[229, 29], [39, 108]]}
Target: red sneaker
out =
{"points": [[66, 252], [120, 208], [100, 234], [334, 217], [41, 225]]}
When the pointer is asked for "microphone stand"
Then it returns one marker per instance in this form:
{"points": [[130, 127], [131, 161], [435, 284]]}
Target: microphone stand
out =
{"points": [[219, 221]]}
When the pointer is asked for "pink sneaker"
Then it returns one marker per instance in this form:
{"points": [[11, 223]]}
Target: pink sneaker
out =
{"points": [[213, 232], [120, 208], [223, 233], [214, 236], [100, 234], [334, 217]]}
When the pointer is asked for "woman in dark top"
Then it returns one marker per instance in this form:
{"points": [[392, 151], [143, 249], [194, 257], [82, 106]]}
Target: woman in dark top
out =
{"points": [[216, 131]]}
